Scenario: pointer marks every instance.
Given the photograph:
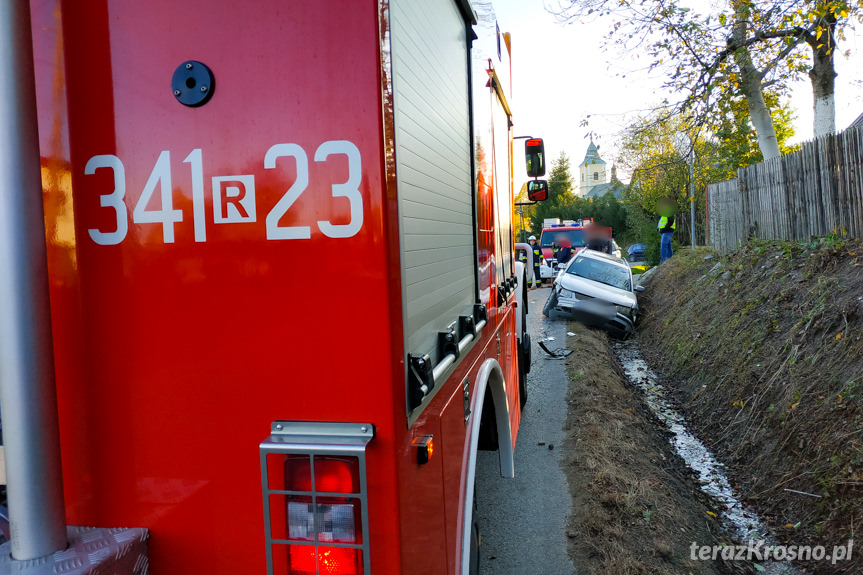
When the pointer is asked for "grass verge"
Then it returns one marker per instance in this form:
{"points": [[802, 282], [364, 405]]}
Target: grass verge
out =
{"points": [[637, 509], [764, 349]]}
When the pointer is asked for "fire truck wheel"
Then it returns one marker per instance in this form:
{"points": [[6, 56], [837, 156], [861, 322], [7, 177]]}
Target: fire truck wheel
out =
{"points": [[550, 303], [475, 542]]}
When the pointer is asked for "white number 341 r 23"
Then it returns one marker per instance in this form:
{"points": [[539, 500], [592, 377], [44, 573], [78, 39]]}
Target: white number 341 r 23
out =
{"points": [[233, 196]]}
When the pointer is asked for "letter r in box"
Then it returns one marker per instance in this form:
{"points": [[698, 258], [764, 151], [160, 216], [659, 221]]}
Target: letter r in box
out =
{"points": [[234, 199]]}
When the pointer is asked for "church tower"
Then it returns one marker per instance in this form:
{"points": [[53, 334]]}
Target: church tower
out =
{"points": [[591, 171]]}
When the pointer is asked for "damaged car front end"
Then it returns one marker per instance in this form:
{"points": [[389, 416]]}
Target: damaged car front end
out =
{"points": [[597, 290]]}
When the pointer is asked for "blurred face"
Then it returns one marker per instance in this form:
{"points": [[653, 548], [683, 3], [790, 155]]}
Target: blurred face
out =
{"points": [[666, 207], [532, 242], [595, 232]]}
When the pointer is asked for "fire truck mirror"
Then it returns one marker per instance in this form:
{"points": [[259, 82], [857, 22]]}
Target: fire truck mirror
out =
{"points": [[534, 157], [537, 190]]}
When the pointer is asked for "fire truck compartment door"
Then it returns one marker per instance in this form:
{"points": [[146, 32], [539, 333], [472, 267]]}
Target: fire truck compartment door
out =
{"points": [[433, 168]]}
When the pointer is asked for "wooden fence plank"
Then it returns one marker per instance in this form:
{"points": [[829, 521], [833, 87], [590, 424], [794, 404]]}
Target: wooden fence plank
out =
{"points": [[813, 192]]}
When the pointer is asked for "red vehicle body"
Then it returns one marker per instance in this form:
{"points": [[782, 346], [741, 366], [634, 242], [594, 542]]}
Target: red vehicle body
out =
{"points": [[569, 234], [198, 359]]}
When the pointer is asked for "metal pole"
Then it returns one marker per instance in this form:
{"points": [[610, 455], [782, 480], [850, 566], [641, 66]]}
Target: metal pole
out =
{"points": [[692, 194], [28, 395], [521, 214]]}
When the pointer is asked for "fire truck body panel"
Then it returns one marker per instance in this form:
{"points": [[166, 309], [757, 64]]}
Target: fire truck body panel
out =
{"points": [[182, 245]]}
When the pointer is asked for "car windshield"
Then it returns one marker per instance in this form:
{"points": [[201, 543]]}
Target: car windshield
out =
{"points": [[571, 238], [599, 271]]}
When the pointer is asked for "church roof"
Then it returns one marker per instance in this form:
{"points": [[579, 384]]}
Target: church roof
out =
{"points": [[602, 189], [592, 156]]}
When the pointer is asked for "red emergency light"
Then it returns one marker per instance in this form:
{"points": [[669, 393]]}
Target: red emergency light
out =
{"points": [[331, 560], [315, 498]]}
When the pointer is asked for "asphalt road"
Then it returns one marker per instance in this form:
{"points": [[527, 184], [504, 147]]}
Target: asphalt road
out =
{"points": [[523, 520]]}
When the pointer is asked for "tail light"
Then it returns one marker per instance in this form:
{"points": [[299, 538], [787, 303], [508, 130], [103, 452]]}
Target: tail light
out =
{"points": [[315, 507]]}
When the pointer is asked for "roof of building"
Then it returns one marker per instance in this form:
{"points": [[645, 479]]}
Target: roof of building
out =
{"points": [[601, 189], [592, 155], [858, 123]]}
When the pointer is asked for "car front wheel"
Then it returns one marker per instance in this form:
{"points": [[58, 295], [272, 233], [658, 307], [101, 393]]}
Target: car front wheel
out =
{"points": [[550, 303]]}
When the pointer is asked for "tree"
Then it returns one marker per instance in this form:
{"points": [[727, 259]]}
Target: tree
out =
{"points": [[560, 181], [522, 215], [605, 211], [650, 152], [779, 29], [751, 82], [560, 185], [749, 46], [732, 142]]}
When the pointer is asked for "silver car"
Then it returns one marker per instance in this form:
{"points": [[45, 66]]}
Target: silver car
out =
{"points": [[596, 289]]}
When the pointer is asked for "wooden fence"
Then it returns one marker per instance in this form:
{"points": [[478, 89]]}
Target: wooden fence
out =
{"points": [[814, 192]]}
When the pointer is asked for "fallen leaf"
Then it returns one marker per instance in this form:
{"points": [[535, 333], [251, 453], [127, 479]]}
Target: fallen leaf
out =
{"points": [[794, 405], [839, 335], [711, 513]]}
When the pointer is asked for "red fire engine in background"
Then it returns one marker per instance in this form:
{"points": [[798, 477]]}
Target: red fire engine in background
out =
{"points": [[573, 234], [198, 160], [568, 233]]}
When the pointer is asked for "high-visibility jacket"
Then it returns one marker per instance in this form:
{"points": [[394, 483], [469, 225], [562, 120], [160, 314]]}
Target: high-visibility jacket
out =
{"points": [[667, 224]]}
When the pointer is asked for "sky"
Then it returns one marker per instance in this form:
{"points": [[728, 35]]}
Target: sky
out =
{"points": [[562, 78]]}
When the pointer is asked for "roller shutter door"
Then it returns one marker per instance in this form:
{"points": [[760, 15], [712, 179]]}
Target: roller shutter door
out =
{"points": [[433, 167]]}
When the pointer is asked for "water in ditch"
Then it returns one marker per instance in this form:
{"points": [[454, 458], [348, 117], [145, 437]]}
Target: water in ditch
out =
{"points": [[740, 520]]}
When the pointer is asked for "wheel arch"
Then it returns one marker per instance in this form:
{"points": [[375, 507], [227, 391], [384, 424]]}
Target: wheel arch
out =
{"points": [[490, 384]]}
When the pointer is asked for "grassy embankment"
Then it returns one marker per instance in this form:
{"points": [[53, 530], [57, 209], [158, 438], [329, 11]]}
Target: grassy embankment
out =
{"points": [[636, 507], [763, 352]]}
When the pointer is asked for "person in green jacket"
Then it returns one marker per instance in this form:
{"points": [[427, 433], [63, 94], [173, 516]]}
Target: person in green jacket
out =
{"points": [[666, 226]]}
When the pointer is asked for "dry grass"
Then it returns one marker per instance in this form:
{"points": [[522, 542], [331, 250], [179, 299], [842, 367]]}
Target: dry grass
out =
{"points": [[636, 508]]}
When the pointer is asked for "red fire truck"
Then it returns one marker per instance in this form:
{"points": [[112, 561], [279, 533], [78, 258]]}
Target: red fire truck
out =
{"points": [[568, 233], [198, 159]]}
